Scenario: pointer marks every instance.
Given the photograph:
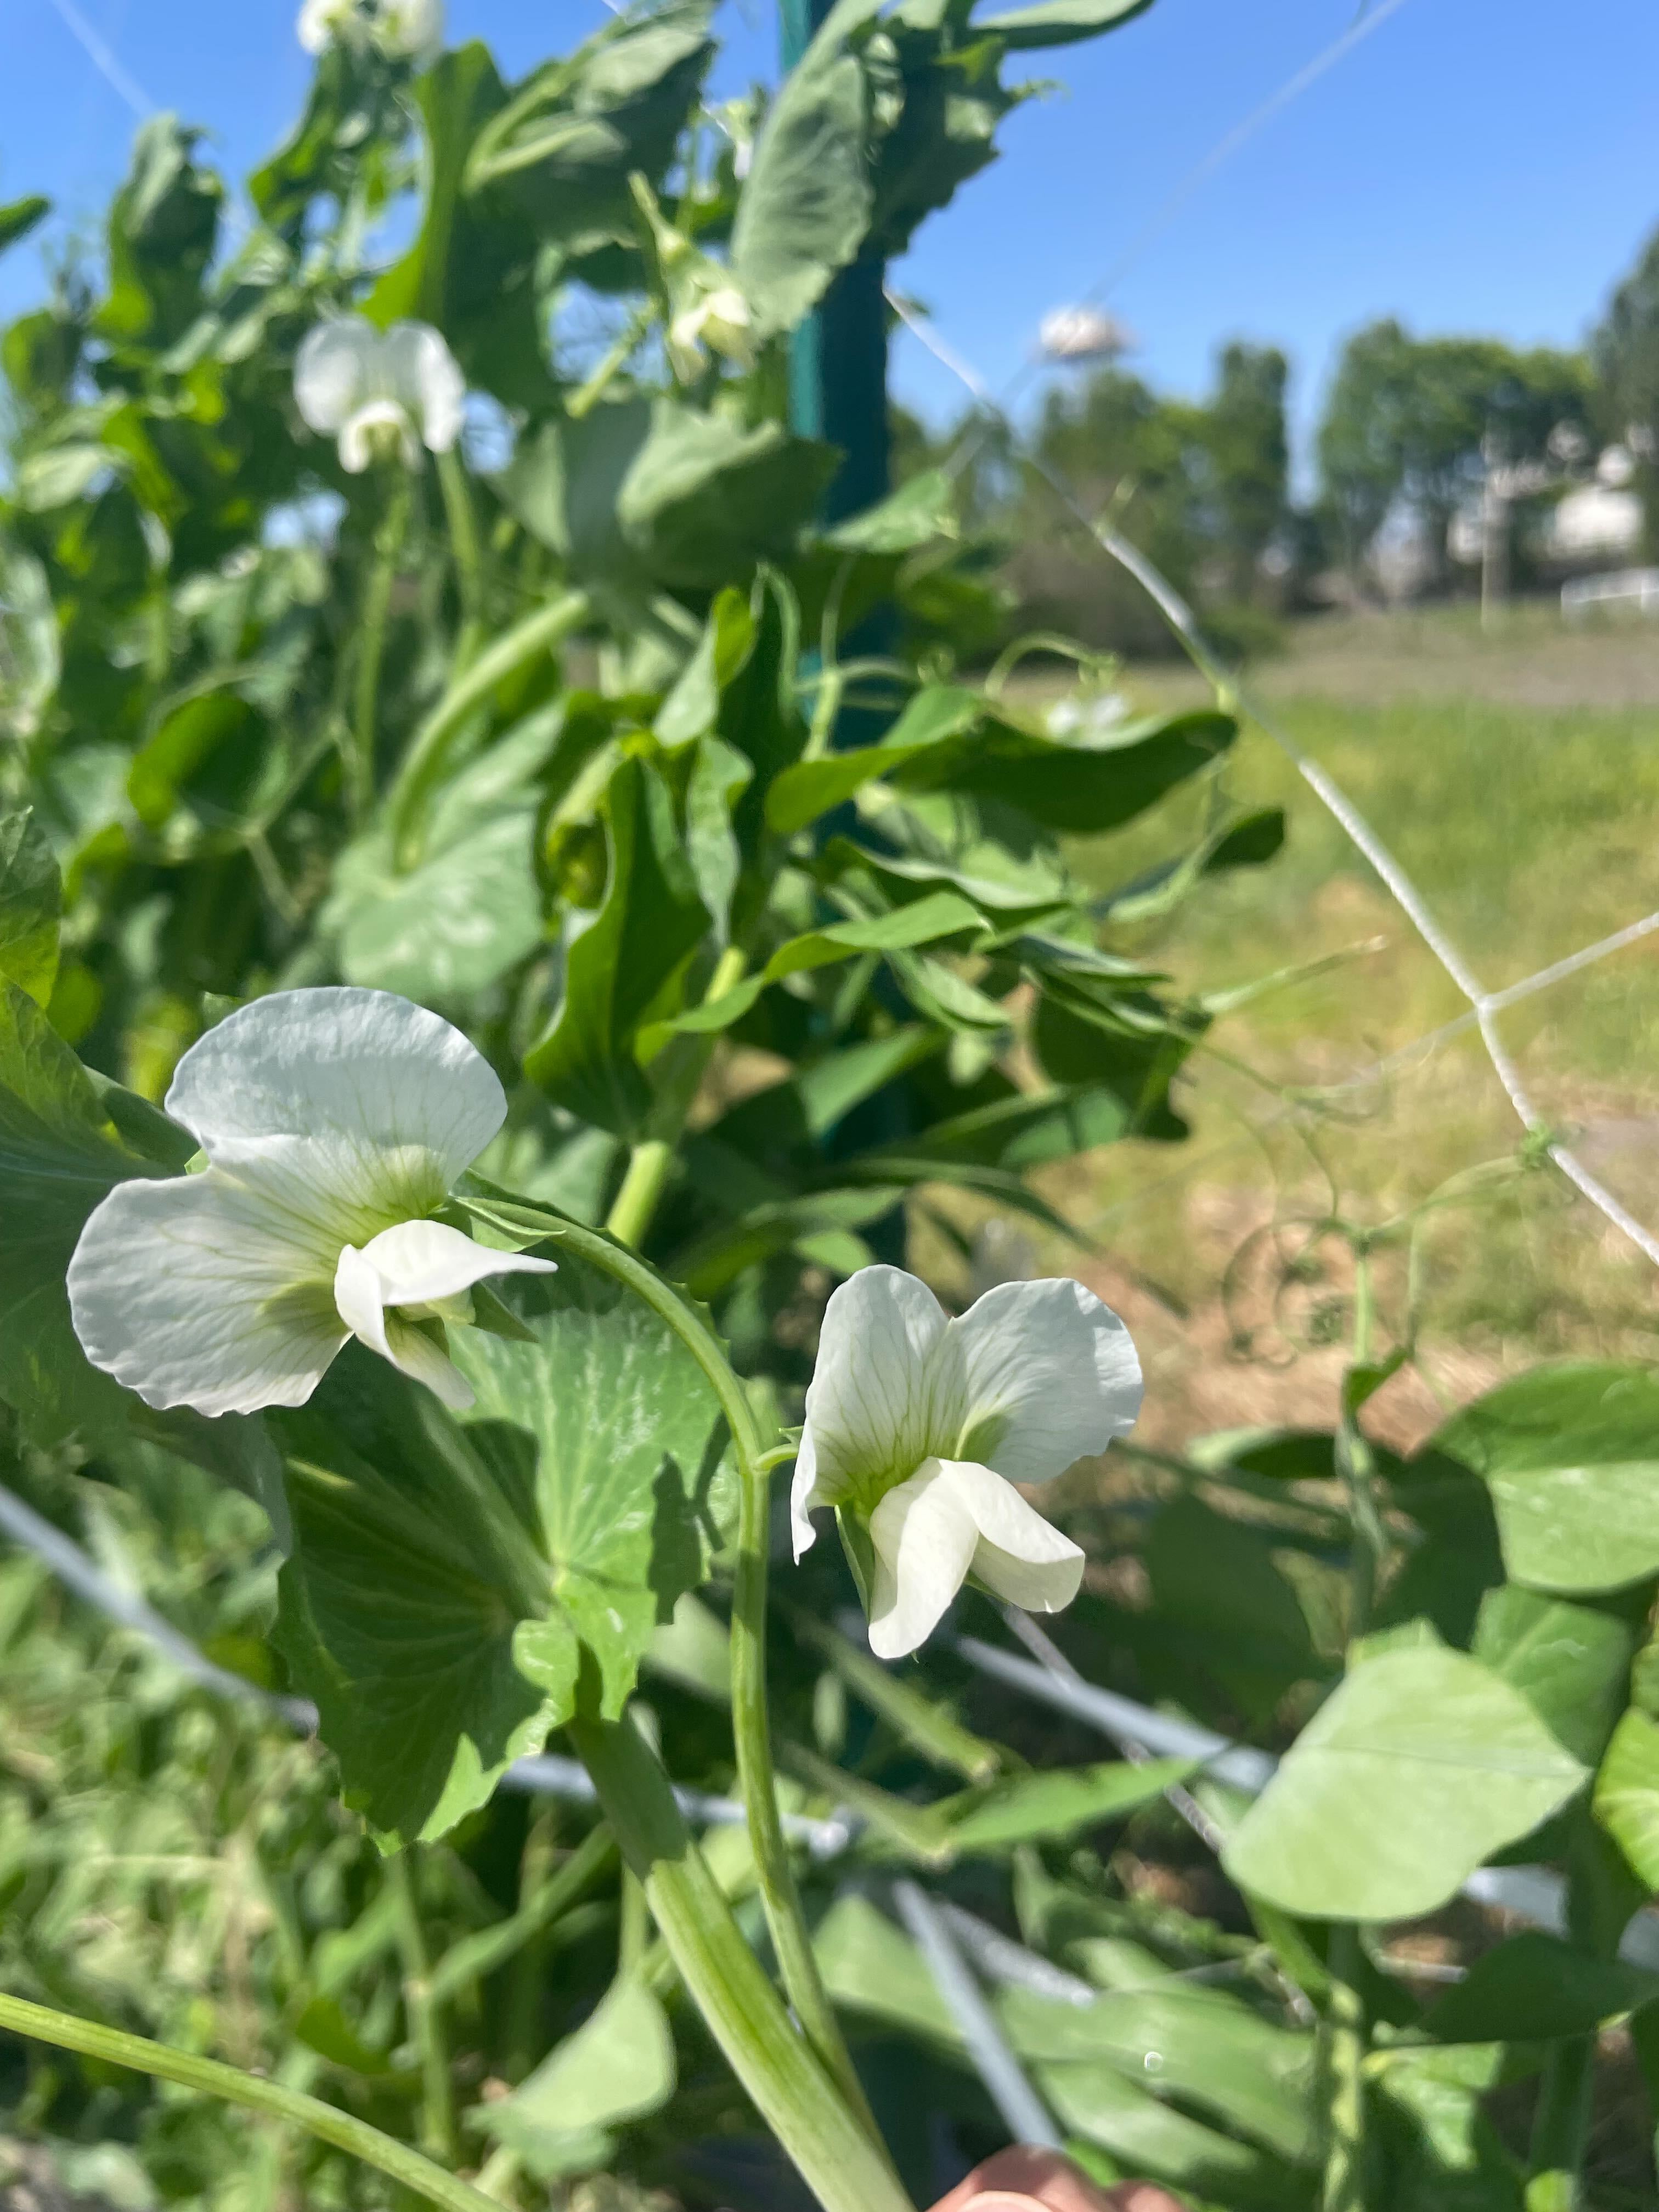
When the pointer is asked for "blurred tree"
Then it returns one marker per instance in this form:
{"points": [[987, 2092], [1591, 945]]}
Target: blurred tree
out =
{"points": [[1625, 351], [1412, 418], [1249, 458]]}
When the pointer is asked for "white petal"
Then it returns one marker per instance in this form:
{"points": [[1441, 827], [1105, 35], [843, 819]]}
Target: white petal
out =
{"points": [[364, 1067], [335, 371], [803, 1494], [1032, 1377], [1019, 1555], [359, 1295], [192, 1293], [360, 440], [411, 27], [319, 21], [924, 1539], [421, 1261], [418, 1357], [426, 378], [867, 1407]]}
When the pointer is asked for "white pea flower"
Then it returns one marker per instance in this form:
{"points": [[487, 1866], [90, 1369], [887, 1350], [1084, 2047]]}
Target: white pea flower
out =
{"points": [[380, 392], [405, 29], [414, 28], [715, 317], [334, 1124], [920, 1427], [322, 21]]}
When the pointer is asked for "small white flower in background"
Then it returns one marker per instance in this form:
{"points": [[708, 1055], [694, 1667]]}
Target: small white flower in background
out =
{"points": [[322, 21], [412, 28], [404, 29], [715, 317], [920, 1427], [334, 1123], [1090, 716], [379, 392]]}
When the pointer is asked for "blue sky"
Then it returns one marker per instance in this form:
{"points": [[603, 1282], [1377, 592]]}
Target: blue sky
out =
{"points": [[1473, 165]]}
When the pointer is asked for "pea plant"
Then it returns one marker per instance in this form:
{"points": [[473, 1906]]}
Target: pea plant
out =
{"points": [[510, 892]]}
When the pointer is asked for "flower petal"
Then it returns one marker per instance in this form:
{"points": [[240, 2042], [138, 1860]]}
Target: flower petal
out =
{"points": [[365, 1067], [421, 1261], [359, 1297], [411, 28], [803, 1494], [1019, 1555], [358, 443], [335, 369], [191, 1293], [868, 1414], [924, 1538], [426, 378], [1032, 1377]]}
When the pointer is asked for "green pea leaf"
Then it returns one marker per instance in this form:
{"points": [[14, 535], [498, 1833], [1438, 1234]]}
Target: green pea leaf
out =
{"points": [[19, 217], [1056, 22], [31, 658], [1570, 1662], [807, 200], [31, 898], [1144, 2136], [450, 1579], [1021, 1808], [948, 738], [651, 919], [1571, 1455], [472, 910], [1626, 1798], [1534, 1988], [618, 2066], [1421, 1764], [58, 1158]]}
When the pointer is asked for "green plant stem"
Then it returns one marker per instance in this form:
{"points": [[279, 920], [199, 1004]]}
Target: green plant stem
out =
{"points": [[423, 762], [469, 555], [642, 1187], [1560, 2126], [652, 1160], [843, 2165], [756, 1776], [377, 607], [253, 2092], [1345, 2075], [1357, 1466], [426, 2022]]}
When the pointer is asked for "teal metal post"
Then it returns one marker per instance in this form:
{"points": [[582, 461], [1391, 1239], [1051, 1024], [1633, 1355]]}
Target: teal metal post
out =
{"points": [[838, 392], [838, 357]]}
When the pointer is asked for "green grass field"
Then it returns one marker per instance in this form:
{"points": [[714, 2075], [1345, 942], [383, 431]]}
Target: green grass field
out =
{"points": [[1531, 824]]}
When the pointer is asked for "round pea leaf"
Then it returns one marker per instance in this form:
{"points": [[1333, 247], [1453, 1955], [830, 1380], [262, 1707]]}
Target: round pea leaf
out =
{"points": [[1420, 1766]]}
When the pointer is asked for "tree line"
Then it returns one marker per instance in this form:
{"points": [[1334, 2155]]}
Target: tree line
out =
{"points": [[1413, 430]]}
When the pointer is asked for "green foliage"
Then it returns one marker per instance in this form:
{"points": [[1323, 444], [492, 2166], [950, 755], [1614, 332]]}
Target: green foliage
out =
{"points": [[1421, 1764], [551, 737], [1407, 418]]}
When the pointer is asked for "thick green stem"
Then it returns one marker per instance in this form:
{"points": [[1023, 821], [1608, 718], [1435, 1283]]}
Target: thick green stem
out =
{"points": [[1356, 1464], [652, 1160], [252, 2091], [423, 764], [757, 1777], [468, 552], [1560, 2126], [840, 2161], [1345, 2075], [377, 607], [425, 2015], [642, 1187]]}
